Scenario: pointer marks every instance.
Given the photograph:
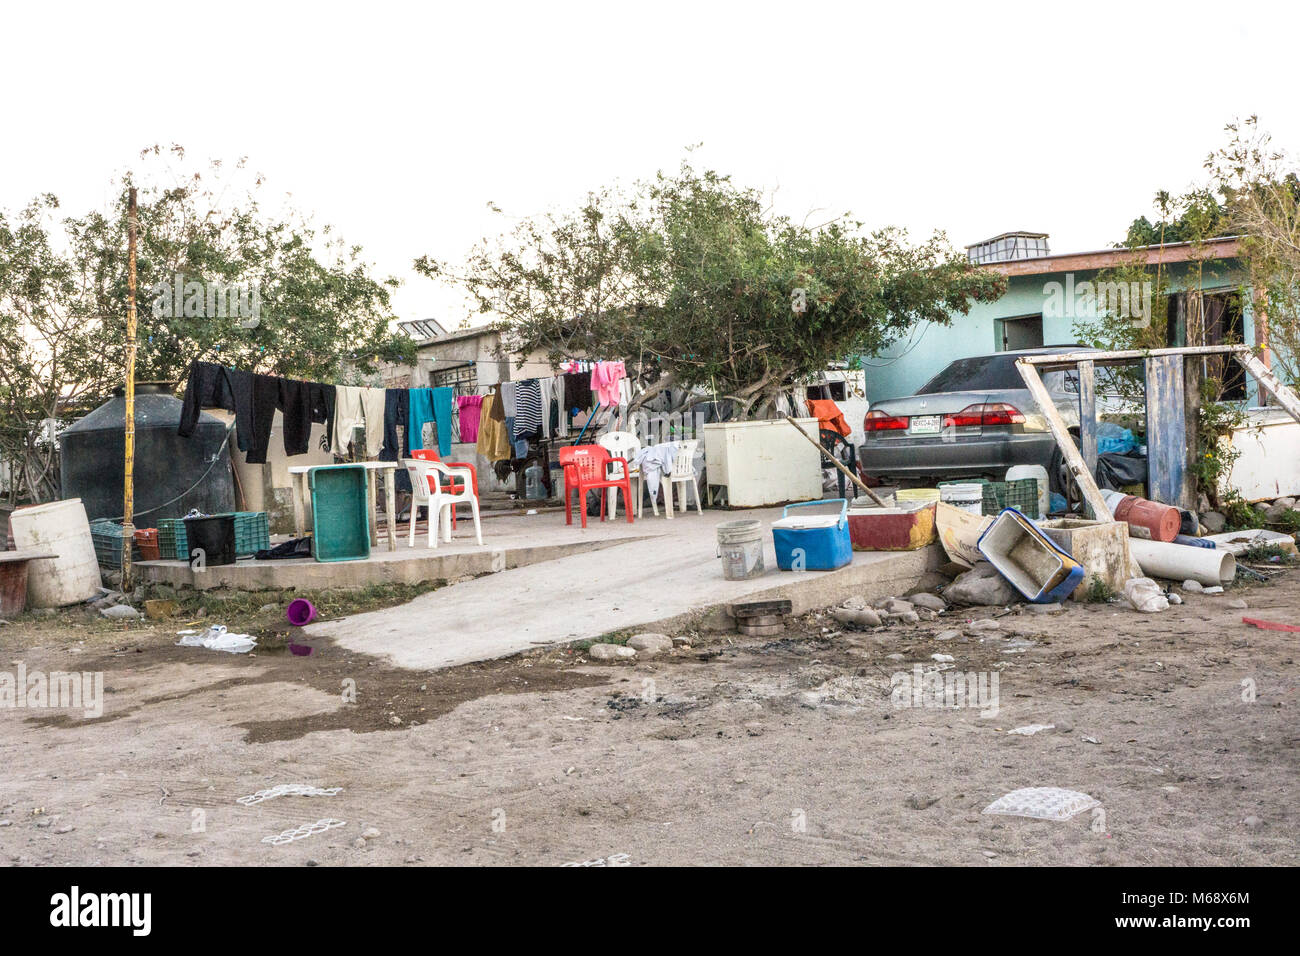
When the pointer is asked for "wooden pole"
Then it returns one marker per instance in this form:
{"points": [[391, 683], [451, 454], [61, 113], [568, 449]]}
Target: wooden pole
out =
{"points": [[1092, 498], [128, 478], [831, 458]]}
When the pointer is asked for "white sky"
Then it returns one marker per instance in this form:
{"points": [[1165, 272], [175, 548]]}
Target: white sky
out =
{"points": [[397, 123]]}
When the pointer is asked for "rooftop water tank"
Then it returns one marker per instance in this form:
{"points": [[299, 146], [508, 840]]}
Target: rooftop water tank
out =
{"points": [[172, 474]]}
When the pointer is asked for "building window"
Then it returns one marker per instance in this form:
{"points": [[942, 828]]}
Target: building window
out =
{"points": [[463, 378], [1024, 332]]}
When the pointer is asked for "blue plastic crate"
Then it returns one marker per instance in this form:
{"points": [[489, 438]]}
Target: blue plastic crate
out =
{"points": [[813, 542]]}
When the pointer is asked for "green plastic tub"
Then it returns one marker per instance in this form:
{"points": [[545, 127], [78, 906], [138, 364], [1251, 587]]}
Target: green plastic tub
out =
{"points": [[339, 505]]}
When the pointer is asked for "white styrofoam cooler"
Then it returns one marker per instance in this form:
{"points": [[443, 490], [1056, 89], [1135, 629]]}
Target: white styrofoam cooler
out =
{"points": [[764, 462]]}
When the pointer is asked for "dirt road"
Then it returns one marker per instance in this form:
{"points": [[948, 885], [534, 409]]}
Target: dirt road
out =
{"points": [[736, 750]]}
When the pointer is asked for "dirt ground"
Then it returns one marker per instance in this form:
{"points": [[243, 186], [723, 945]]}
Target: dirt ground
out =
{"points": [[779, 750]]}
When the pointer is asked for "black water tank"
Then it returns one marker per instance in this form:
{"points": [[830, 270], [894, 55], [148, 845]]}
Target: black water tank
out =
{"points": [[172, 474]]}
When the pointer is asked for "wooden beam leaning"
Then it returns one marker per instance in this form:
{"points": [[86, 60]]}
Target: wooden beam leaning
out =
{"points": [[1270, 383], [831, 458], [1092, 498]]}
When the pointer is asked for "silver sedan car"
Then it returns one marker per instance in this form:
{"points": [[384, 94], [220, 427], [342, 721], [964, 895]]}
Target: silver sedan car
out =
{"points": [[974, 419]]}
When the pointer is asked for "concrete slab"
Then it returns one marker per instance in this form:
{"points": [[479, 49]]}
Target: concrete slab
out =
{"points": [[509, 541], [654, 583]]}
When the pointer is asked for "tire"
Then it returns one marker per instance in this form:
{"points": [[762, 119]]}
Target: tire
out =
{"points": [[1060, 480]]}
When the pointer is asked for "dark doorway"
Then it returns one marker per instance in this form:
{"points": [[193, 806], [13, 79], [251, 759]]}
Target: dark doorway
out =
{"points": [[1025, 332], [1210, 318]]}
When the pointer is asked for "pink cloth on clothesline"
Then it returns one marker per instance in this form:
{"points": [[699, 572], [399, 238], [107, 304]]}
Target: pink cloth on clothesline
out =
{"points": [[605, 377], [469, 407]]}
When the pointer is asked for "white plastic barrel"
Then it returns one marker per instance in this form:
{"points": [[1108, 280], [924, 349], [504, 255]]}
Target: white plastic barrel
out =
{"points": [[1039, 474], [60, 527]]}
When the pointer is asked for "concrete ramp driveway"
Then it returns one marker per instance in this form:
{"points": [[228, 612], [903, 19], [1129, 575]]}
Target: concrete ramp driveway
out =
{"points": [[650, 581]]}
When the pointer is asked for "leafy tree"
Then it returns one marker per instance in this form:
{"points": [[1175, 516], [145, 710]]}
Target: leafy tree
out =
{"points": [[1262, 186], [702, 286], [319, 313], [1191, 217]]}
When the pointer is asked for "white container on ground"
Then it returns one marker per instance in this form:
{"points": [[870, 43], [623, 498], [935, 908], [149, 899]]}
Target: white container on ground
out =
{"points": [[1039, 474], [740, 545], [968, 497], [60, 527]]}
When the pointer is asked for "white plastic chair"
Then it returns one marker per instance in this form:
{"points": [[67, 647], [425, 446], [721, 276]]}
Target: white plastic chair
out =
{"points": [[623, 445], [439, 502], [683, 473]]}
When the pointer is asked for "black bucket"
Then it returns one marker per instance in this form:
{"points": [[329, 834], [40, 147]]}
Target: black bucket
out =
{"points": [[215, 534]]}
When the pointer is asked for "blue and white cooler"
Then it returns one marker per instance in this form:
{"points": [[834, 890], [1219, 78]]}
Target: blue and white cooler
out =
{"points": [[813, 542]]}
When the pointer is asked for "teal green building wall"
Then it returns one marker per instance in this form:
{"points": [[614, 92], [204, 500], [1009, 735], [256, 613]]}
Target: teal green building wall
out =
{"points": [[914, 360]]}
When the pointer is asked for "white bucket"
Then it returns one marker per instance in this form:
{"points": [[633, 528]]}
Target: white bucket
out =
{"points": [[1039, 474], [740, 545], [968, 496], [60, 527]]}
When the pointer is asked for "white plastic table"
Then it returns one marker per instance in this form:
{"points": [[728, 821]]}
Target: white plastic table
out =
{"points": [[302, 499]]}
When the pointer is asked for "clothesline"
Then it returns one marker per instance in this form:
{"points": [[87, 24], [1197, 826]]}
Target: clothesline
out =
{"points": [[255, 398]]}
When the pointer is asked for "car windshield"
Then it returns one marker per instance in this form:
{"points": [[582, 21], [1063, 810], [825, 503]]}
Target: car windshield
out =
{"points": [[985, 373]]}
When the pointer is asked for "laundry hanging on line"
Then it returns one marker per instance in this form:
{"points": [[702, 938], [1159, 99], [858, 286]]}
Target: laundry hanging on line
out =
{"points": [[254, 399]]}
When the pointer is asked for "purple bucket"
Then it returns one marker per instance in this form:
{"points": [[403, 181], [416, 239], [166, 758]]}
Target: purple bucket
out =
{"points": [[300, 612]]}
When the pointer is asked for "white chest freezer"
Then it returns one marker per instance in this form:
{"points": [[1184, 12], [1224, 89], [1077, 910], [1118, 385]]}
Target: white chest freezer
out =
{"points": [[764, 462]]}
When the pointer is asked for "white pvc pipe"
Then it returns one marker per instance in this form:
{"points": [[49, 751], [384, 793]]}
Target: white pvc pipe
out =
{"points": [[1183, 562]]}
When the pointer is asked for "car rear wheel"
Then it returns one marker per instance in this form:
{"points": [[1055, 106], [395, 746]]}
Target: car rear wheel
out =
{"points": [[1061, 480]]}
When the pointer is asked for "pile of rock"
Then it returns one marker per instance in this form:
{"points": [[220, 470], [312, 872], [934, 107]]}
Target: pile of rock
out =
{"points": [[1270, 513], [648, 644], [856, 612]]}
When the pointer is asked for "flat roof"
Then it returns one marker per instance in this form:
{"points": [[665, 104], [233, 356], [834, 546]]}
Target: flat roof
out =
{"points": [[1170, 252]]}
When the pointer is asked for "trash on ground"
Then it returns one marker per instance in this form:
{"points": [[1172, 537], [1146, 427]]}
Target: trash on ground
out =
{"points": [[1269, 625], [1030, 729], [1042, 803], [287, 790], [304, 831], [1031, 561], [217, 638], [1102, 547], [1150, 520], [1182, 562], [614, 859], [1145, 595], [300, 612], [959, 533]]}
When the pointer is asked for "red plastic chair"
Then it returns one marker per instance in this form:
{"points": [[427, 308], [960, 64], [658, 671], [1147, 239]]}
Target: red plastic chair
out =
{"points": [[586, 469], [452, 486]]}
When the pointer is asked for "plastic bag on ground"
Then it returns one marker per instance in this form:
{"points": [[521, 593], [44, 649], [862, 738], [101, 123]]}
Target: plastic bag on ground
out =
{"points": [[1042, 803], [216, 638], [1145, 595]]}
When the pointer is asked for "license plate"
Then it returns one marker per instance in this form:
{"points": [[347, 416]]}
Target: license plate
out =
{"points": [[925, 424]]}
